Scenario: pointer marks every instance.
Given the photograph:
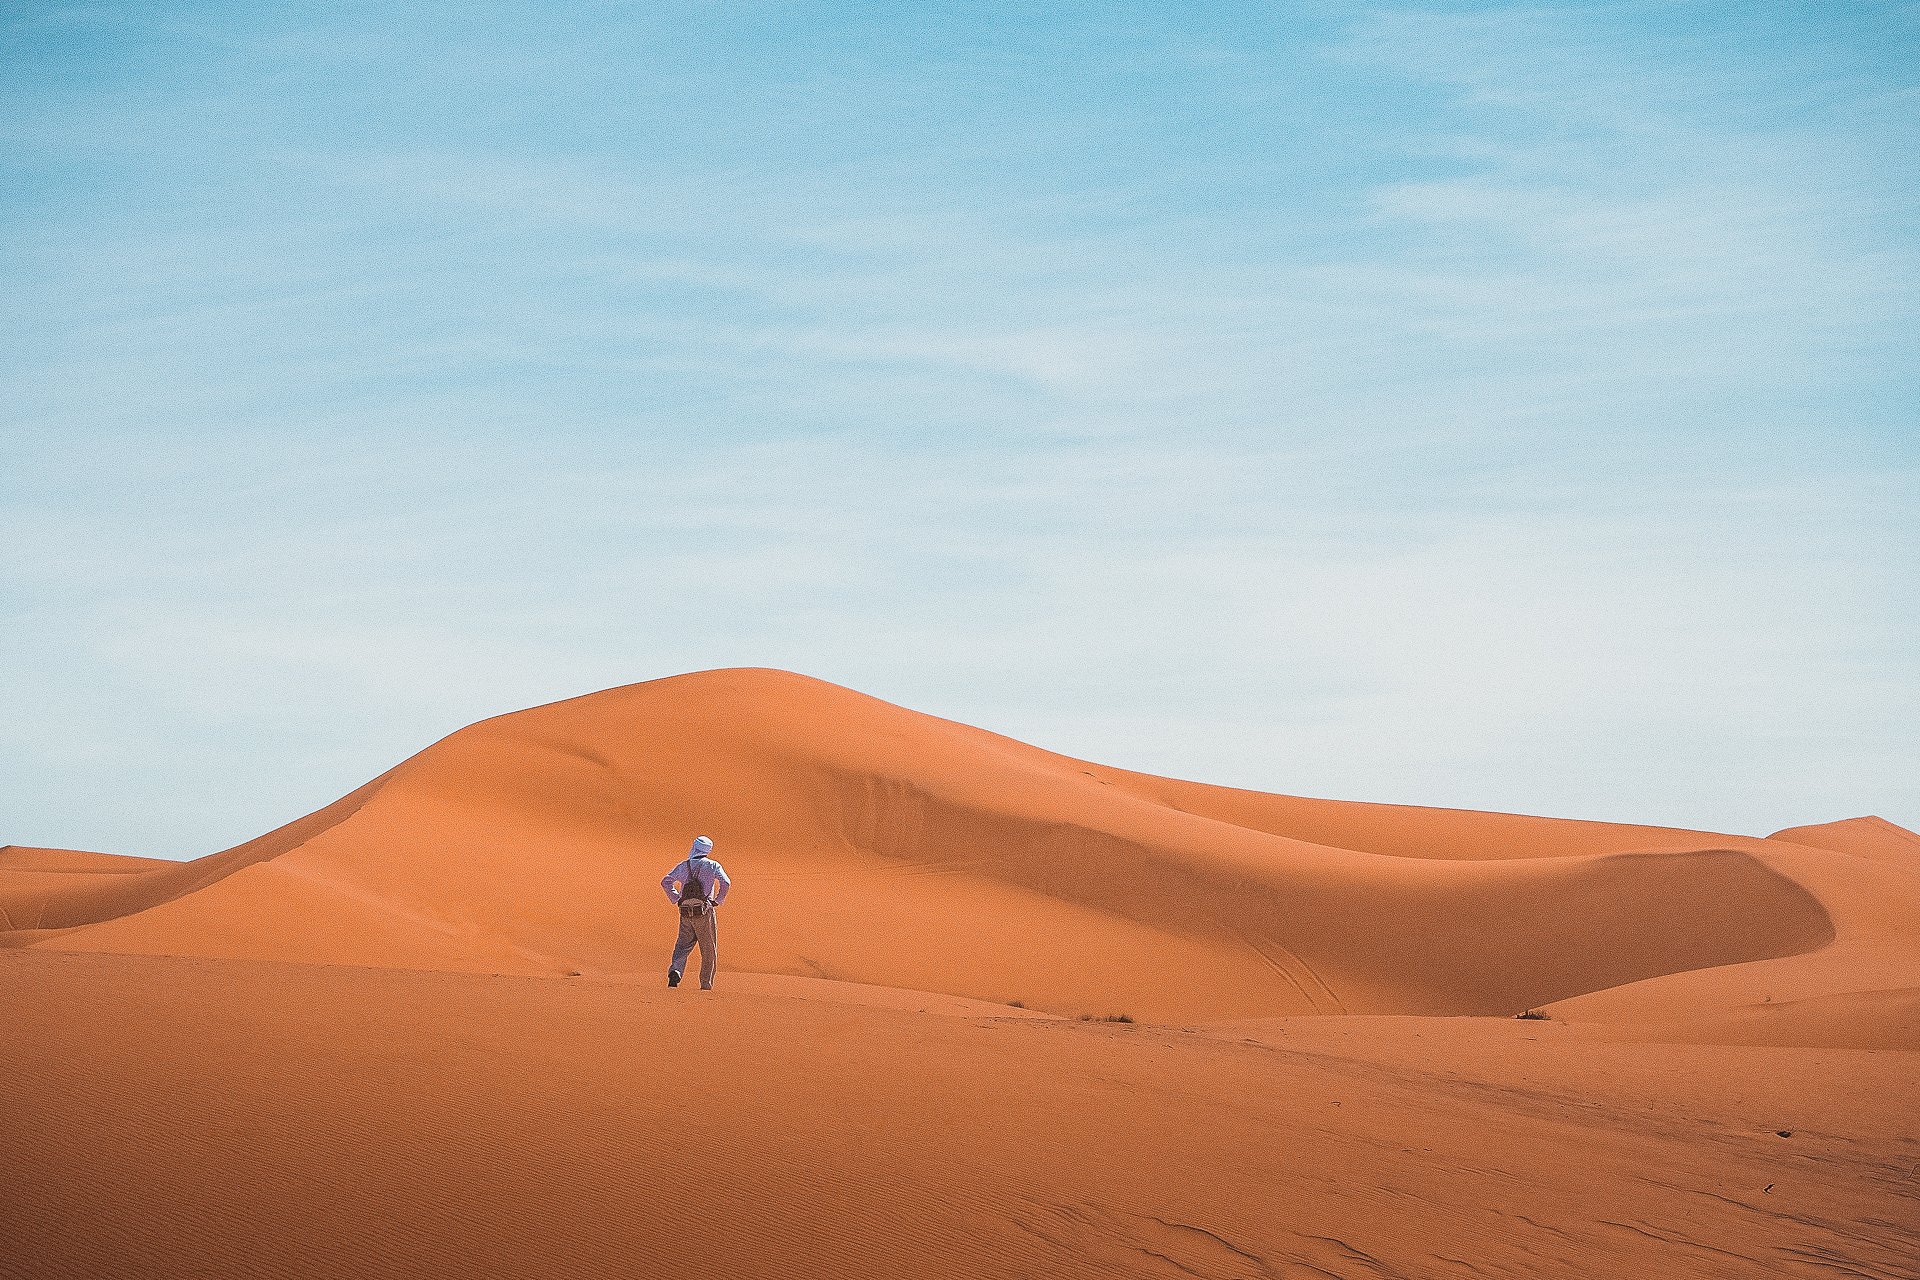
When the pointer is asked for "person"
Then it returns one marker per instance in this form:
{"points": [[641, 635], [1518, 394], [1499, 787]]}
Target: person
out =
{"points": [[697, 886]]}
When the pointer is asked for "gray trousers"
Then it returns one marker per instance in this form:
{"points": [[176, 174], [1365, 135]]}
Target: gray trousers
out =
{"points": [[704, 930]]}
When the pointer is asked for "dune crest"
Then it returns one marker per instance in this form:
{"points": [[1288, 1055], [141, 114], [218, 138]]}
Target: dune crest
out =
{"points": [[1866, 837], [877, 845]]}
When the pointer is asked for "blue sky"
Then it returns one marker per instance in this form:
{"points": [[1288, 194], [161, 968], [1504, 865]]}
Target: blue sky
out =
{"points": [[1445, 404]]}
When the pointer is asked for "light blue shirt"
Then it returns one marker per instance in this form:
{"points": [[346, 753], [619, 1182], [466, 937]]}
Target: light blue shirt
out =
{"points": [[710, 874]]}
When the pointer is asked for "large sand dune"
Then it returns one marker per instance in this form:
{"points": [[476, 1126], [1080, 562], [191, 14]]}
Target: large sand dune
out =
{"points": [[423, 1030], [881, 846]]}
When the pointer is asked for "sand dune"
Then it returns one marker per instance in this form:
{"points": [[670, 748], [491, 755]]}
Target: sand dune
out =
{"points": [[1868, 837], [423, 1031], [46, 889], [881, 846]]}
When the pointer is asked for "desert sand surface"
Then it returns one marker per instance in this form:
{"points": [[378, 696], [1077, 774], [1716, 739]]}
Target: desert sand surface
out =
{"points": [[423, 1031]]}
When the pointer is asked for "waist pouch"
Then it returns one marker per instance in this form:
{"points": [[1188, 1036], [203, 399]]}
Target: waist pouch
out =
{"points": [[691, 907]]}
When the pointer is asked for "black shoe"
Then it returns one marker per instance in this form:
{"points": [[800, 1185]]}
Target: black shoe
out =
{"points": [[673, 979]]}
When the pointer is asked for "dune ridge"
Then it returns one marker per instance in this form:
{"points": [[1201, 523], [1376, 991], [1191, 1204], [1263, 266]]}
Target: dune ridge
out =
{"points": [[1864, 837], [882, 846]]}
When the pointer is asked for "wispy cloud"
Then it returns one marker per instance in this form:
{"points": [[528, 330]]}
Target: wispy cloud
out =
{"points": [[1545, 443]]}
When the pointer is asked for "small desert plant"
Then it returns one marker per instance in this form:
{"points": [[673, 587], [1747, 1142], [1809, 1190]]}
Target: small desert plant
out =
{"points": [[1016, 1004], [1532, 1015], [1110, 1017]]}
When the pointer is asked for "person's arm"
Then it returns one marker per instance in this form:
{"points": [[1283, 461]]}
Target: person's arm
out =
{"points": [[667, 883], [724, 884]]}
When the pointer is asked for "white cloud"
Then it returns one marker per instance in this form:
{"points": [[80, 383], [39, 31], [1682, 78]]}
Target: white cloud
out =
{"points": [[1545, 478]]}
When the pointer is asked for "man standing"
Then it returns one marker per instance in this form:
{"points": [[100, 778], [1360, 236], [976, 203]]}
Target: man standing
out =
{"points": [[698, 886]]}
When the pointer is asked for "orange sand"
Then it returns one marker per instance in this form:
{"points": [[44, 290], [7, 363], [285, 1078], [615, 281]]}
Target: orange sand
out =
{"points": [[351, 1046]]}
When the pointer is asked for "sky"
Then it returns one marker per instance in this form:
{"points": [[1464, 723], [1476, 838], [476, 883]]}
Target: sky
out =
{"points": [[1454, 404]]}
